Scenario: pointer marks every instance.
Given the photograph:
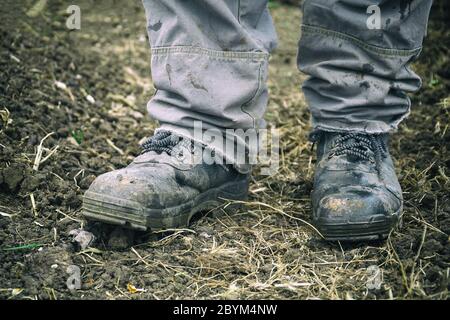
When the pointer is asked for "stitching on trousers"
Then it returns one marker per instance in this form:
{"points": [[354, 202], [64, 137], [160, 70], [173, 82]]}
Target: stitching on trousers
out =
{"points": [[223, 55], [239, 11], [375, 49], [255, 95]]}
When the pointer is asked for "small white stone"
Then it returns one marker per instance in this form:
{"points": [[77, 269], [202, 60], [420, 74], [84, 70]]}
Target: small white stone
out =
{"points": [[205, 235], [60, 85], [84, 238], [90, 99]]}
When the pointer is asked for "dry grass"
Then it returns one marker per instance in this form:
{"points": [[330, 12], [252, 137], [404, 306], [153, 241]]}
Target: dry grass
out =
{"points": [[267, 250]]}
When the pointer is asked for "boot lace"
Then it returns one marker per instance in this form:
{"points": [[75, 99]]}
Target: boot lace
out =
{"points": [[173, 145], [162, 141], [369, 147]]}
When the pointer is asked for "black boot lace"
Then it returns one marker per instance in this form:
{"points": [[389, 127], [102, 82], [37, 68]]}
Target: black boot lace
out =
{"points": [[369, 147], [162, 141]]}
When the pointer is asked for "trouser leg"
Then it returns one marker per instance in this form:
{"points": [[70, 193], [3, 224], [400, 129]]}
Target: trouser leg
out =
{"points": [[359, 65], [209, 64]]}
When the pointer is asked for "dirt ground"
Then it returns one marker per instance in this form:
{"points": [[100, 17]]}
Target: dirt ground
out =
{"points": [[85, 92]]}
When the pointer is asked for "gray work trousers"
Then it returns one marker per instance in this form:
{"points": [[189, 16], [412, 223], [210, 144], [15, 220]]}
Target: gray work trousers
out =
{"points": [[209, 62]]}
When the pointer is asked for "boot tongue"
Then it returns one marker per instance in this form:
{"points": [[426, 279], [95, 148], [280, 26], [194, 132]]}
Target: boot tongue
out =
{"points": [[153, 156], [176, 161]]}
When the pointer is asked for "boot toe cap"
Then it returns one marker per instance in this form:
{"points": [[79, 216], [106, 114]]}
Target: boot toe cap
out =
{"points": [[357, 205], [150, 187]]}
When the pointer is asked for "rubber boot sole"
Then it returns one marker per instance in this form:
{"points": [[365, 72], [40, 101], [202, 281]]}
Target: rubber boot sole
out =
{"points": [[131, 214], [375, 228]]}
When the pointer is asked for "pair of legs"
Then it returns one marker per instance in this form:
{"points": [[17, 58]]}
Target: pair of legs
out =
{"points": [[209, 65]]}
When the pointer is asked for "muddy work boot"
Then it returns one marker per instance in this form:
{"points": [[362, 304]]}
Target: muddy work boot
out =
{"points": [[356, 193], [162, 188]]}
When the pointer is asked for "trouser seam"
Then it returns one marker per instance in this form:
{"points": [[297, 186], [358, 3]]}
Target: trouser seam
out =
{"points": [[239, 11], [365, 127], [211, 53], [252, 99], [385, 52]]}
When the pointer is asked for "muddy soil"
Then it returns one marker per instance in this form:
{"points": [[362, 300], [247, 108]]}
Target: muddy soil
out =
{"points": [[81, 95]]}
